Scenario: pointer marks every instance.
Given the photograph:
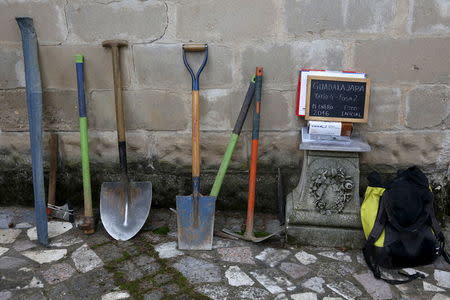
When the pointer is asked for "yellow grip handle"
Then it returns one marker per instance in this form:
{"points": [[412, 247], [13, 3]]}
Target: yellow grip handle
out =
{"points": [[194, 47]]}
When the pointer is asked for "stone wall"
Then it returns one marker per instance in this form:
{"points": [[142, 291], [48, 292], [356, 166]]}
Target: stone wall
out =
{"points": [[402, 45]]}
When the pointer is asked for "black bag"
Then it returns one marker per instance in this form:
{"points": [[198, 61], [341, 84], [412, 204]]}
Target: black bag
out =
{"points": [[412, 235]]}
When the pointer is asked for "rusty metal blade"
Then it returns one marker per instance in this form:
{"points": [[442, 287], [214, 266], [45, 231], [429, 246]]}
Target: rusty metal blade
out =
{"points": [[123, 219], [190, 236]]}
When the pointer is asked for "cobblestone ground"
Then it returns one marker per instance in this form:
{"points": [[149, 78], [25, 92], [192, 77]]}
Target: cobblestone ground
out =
{"points": [[149, 266]]}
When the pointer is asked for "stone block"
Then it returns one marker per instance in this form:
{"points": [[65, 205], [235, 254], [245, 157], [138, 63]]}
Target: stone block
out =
{"points": [[277, 60], [160, 66], [231, 20], [314, 17], [422, 60], [136, 21], [144, 110], [15, 148], [405, 148], [175, 148], [369, 16], [58, 67], [279, 148], [431, 16], [60, 111], [48, 17], [427, 106], [337, 17], [215, 110], [319, 54], [12, 72], [276, 111], [384, 109]]}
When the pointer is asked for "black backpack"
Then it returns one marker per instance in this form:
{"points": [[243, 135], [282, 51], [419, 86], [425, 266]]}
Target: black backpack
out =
{"points": [[404, 231]]}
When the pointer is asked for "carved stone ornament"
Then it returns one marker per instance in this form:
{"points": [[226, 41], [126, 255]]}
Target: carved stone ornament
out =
{"points": [[331, 189]]}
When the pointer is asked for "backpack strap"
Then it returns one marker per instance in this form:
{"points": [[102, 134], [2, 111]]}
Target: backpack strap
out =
{"points": [[438, 232], [369, 248]]}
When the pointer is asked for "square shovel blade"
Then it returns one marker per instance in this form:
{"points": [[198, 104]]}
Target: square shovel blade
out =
{"points": [[195, 236]]}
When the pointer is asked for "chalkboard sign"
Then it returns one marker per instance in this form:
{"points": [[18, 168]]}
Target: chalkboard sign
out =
{"points": [[337, 99]]}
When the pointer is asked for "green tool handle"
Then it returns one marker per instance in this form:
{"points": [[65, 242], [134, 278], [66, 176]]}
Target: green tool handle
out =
{"points": [[233, 139]]}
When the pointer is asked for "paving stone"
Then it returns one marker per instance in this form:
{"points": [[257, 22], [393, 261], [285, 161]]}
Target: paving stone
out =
{"points": [[378, 289], [275, 284], [60, 291], [170, 289], [221, 243], [315, 284], [116, 295], [345, 289], [305, 258], [160, 279], [411, 271], [45, 256], [28, 294], [12, 263], [168, 250], [25, 269], [304, 296], [55, 228], [130, 270], [154, 295], [281, 297], [215, 292], [5, 295], [23, 225], [272, 256], [428, 287], [108, 252], [253, 293], [66, 241], [22, 245], [147, 284], [85, 259], [360, 259], [3, 250], [440, 297], [58, 273], [295, 271], [241, 255], [197, 270], [332, 298], [236, 277], [339, 256], [8, 236], [34, 283], [442, 278], [91, 285]]}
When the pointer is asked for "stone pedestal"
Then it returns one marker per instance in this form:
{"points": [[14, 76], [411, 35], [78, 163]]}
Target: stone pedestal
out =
{"points": [[323, 210]]}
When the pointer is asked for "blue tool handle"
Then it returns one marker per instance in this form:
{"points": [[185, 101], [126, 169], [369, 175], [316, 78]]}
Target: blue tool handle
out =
{"points": [[195, 48], [34, 104], [79, 62]]}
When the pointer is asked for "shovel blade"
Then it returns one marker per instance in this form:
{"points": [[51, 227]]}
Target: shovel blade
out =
{"points": [[120, 221], [190, 236]]}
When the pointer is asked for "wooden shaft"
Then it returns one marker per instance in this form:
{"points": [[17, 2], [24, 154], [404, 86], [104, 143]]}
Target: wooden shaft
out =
{"points": [[53, 168], [120, 119], [195, 134]]}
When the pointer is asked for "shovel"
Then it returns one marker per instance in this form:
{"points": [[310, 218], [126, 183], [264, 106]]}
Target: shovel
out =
{"points": [[248, 234], [124, 205], [195, 213]]}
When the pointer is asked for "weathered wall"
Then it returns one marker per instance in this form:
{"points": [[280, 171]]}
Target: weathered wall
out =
{"points": [[403, 45]]}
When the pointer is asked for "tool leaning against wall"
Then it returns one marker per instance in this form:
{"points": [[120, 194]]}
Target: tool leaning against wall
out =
{"points": [[195, 213], [124, 205]]}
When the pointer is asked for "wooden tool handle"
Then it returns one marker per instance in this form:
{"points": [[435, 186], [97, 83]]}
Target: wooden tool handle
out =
{"points": [[195, 134], [194, 47], [53, 168]]}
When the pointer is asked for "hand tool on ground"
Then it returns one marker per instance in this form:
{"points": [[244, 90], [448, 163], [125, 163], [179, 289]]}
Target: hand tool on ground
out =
{"points": [[64, 212], [124, 205], [87, 222], [233, 139], [34, 103], [195, 213], [249, 234]]}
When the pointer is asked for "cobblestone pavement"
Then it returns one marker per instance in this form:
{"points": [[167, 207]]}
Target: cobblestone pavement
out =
{"points": [[149, 266]]}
